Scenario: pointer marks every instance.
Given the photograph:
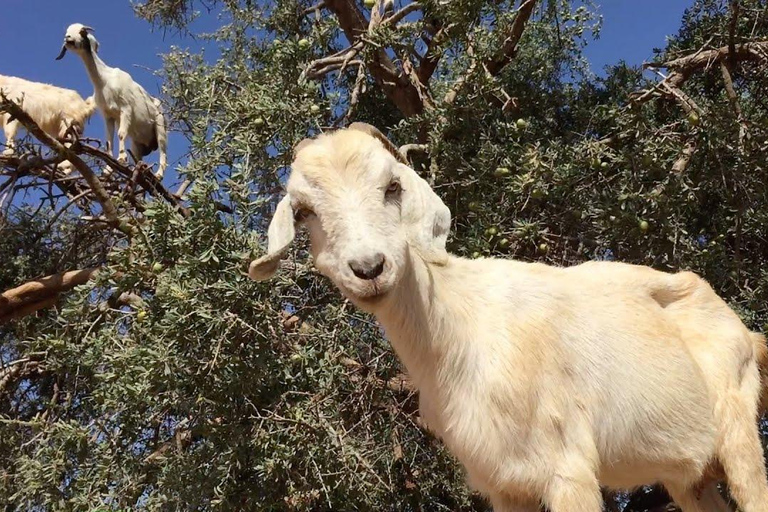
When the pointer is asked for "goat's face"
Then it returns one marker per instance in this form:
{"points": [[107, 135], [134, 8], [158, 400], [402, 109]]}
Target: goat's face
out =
{"points": [[364, 209], [78, 38]]}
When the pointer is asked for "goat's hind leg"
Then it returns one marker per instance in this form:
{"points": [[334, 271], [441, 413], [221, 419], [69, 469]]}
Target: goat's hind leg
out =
{"points": [[692, 500], [122, 134], [740, 451]]}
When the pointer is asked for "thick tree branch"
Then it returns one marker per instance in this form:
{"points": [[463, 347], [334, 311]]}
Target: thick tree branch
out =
{"points": [[681, 164], [733, 98], [508, 48], [683, 67], [41, 293], [403, 94], [502, 57]]}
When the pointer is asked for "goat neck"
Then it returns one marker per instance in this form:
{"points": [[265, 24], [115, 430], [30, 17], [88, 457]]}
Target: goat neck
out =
{"points": [[424, 320], [95, 67]]}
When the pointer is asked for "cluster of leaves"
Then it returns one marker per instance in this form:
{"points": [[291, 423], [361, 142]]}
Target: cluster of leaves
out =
{"points": [[176, 382]]}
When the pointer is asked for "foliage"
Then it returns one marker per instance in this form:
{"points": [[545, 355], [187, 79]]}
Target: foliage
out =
{"points": [[173, 381]]}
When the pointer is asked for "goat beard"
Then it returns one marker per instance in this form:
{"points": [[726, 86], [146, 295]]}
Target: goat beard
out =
{"points": [[62, 52]]}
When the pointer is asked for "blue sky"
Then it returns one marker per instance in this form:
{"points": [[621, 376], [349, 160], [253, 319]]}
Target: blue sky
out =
{"points": [[35, 28]]}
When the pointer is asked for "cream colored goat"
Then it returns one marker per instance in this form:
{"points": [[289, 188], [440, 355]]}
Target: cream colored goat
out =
{"points": [[56, 111], [544, 382], [121, 101]]}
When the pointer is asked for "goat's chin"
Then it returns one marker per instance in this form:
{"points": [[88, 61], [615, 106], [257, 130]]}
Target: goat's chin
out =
{"points": [[367, 294]]}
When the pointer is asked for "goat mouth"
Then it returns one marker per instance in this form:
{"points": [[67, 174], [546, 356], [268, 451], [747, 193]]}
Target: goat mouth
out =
{"points": [[373, 294]]}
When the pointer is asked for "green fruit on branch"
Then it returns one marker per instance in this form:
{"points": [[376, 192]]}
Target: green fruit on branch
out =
{"points": [[501, 172]]}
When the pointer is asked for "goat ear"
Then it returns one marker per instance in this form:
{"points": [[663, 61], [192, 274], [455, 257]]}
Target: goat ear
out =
{"points": [[279, 237], [301, 145], [376, 134], [427, 219], [93, 41]]}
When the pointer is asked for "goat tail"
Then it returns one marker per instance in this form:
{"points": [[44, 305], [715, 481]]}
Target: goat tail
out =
{"points": [[162, 139], [761, 355]]}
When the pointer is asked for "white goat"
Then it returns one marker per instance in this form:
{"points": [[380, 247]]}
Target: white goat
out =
{"points": [[120, 100], [56, 111], [545, 382]]}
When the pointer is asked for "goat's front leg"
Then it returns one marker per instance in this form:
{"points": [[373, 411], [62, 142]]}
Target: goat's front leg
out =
{"points": [[574, 490], [10, 130], [122, 133], [503, 503], [110, 125]]}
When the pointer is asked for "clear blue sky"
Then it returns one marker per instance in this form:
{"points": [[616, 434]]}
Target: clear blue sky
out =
{"points": [[33, 30]]}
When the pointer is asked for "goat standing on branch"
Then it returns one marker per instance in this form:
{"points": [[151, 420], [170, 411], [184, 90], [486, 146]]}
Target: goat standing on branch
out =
{"points": [[545, 382], [120, 100], [57, 111]]}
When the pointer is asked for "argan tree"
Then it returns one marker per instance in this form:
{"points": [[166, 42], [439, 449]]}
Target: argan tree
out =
{"points": [[140, 368]]}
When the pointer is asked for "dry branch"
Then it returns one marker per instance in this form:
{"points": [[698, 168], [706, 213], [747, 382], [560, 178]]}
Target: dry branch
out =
{"points": [[508, 48]]}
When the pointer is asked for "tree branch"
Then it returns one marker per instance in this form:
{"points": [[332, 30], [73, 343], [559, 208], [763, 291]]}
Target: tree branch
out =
{"points": [[512, 37], [110, 212], [395, 86], [683, 67], [502, 57], [681, 164], [41, 293], [732, 32]]}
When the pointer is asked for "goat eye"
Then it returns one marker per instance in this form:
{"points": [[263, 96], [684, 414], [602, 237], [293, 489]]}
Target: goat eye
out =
{"points": [[393, 188], [302, 214]]}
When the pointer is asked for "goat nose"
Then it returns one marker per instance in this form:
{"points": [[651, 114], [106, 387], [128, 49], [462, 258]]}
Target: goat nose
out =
{"points": [[368, 268]]}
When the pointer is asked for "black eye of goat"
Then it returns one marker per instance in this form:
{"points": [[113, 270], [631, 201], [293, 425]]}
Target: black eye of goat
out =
{"points": [[393, 188], [302, 214]]}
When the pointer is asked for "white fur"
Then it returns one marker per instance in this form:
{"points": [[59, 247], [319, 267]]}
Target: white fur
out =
{"points": [[544, 382], [121, 101], [54, 109]]}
